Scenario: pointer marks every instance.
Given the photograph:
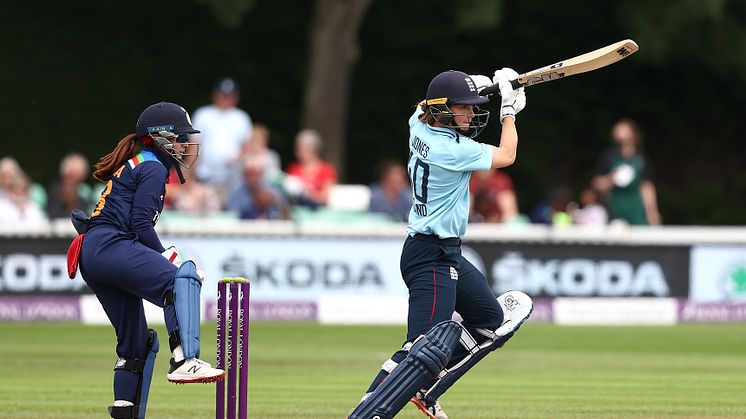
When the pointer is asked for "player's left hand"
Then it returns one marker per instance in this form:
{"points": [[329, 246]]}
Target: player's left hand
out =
{"points": [[513, 100]]}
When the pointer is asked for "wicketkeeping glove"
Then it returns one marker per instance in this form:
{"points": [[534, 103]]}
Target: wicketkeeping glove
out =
{"points": [[172, 255], [513, 101]]}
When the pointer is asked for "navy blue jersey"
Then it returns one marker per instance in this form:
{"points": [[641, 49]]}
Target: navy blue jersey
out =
{"points": [[133, 198]]}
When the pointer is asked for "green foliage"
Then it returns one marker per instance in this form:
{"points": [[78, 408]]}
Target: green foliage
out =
{"points": [[229, 13], [479, 14], [78, 75]]}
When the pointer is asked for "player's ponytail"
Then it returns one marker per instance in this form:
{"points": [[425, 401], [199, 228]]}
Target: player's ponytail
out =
{"points": [[427, 115], [127, 148]]}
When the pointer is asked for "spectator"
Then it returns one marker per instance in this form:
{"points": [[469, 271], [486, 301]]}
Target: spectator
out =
{"points": [[391, 195], [192, 197], [224, 130], [255, 198], [16, 206], [554, 210], [258, 148], [624, 175], [70, 191], [493, 198], [315, 176], [591, 211]]}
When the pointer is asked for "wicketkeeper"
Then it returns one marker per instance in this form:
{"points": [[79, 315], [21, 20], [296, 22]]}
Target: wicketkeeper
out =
{"points": [[123, 261]]}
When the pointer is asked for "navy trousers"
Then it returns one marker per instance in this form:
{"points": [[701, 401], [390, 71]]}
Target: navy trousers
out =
{"points": [[440, 281], [122, 273]]}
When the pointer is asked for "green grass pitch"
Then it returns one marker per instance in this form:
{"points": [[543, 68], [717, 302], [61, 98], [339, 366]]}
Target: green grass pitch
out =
{"points": [[311, 371]]}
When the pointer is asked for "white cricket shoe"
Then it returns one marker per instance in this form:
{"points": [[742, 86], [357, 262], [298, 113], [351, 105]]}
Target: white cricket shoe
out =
{"points": [[432, 412], [193, 370]]}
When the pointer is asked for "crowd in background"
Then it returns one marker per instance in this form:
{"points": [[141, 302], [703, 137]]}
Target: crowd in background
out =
{"points": [[239, 175]]}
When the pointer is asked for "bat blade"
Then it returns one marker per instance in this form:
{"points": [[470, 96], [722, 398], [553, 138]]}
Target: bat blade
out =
{"points": [[581, 64]]}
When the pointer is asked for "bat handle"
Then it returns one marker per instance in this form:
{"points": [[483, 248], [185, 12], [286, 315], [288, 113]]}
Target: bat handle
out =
{"points": [[496, 89]]}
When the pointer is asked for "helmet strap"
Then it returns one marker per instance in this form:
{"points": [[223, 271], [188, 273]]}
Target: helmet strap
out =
{"points": [[177, 167]]}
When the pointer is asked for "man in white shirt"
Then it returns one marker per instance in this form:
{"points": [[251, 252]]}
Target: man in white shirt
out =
{"points": [[224, 130]]}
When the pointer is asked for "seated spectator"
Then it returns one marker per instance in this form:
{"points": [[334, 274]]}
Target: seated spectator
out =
{"points": [[591, 211], [392, 194], [258, 148], [70, 191], [553, 210], [192, 197], [255, 198], [493, 198], [314, 175], [16, 206]]}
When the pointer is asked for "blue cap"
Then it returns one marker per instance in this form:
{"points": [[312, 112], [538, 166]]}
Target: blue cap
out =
{"points": [[226, 86], [453, 87], [164, 116]]}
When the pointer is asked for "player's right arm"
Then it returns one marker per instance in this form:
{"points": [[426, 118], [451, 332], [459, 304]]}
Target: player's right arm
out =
{"points": [[504, 155], [512, 102]]}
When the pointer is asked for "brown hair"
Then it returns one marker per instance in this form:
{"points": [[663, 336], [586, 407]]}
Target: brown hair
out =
{"points": [[127, 148], [427, 115], [635, 128]]}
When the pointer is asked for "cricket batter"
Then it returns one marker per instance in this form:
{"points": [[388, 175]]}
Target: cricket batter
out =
{"points": [[442, 155], [123, 261]]}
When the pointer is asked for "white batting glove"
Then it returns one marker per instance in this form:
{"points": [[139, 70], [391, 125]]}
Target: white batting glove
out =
{"points": [[480, 81], [513, 101], [172, 255]]}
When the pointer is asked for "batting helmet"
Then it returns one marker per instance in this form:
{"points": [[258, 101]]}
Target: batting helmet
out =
{"points": [[456, 88]]}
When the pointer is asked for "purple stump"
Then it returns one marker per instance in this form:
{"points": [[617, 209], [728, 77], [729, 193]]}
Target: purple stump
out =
{"points": [[232, 347], [220, 356], [243, 359]]}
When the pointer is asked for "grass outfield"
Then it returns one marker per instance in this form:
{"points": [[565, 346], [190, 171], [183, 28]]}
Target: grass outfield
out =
{"points": [[310, 371]]}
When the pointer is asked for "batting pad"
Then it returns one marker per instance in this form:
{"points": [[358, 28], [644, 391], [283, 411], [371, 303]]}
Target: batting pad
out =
{"points": [[187, 287], [428, 356], [517, 307]]}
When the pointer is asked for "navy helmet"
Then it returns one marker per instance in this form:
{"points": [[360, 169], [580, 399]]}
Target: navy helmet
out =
{"points": [[453, 87], [164, 116], [456, 88], [168, 125]]}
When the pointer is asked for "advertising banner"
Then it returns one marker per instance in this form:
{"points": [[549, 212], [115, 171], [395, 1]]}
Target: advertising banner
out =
{"points": [[712, 312], [39, 308], [299, 269], [575, 270], [718, 273], [36, 266]]}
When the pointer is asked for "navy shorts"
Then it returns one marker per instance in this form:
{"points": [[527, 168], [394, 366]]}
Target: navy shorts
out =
{"points": [[440, 281]]}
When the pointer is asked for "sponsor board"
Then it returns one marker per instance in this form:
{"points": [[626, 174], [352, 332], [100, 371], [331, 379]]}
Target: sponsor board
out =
{"points": [[299, 269], [273, 310], [39, 308], [712, 312], [572, 270], [36, 265], [718, 273], [616, 311]]}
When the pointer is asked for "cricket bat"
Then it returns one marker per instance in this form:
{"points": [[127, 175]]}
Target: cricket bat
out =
{"points": [[581, 64]]}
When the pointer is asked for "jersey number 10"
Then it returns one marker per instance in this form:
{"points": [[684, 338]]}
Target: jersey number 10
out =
{"points": [[420, 188]]}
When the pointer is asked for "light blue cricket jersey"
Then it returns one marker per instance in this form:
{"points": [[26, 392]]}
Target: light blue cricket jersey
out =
{"points": [[440, 165]]}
